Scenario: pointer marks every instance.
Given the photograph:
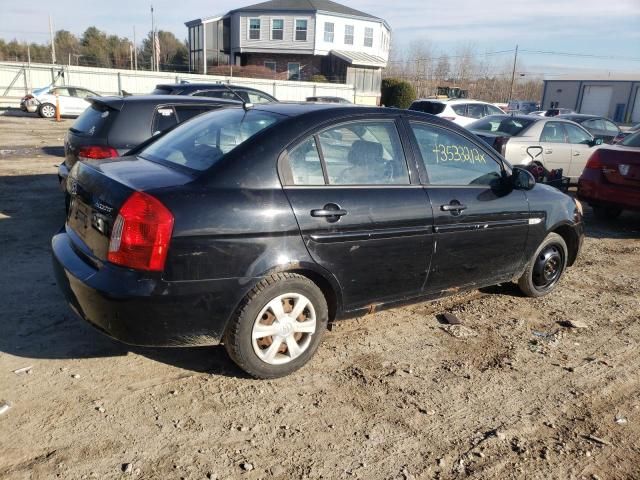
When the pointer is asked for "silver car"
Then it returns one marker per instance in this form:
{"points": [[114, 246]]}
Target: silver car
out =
{"points": [[550, 142]]}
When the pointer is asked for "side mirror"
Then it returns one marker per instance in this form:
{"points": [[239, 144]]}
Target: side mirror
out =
{"points": [[595, 142], [522, 179]]}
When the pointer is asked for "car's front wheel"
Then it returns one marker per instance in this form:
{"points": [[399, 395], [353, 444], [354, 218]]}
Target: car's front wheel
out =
{"points": [[47, 110], [546, 268], [278, 326]]}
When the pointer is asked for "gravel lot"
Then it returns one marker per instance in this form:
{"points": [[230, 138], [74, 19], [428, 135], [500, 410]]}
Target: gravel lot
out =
{"points": [[516, 392]]}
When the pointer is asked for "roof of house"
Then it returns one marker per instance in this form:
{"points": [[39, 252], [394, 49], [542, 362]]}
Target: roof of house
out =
{"points": [[305, 6]]}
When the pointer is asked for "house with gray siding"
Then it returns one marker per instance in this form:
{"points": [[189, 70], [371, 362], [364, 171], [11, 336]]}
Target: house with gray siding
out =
{"points": [[296, 39]]}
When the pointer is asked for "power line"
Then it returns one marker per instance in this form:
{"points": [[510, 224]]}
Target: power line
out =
{"points": [[581, 55]]}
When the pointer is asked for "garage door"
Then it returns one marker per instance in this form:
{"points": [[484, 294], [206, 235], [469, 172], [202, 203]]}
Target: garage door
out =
{"points": [[635, 113], [596, 100]]}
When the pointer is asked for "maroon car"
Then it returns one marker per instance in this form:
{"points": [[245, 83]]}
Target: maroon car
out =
{"points": [[610, 182]]}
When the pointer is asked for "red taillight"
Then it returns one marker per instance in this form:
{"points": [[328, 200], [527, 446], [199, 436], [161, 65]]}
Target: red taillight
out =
{"points": [[96, 152], [595, 161], [141, 234]]}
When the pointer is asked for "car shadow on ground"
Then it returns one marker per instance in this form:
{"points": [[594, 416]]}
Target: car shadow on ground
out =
{"points": [[36, 321], [624, 227]]}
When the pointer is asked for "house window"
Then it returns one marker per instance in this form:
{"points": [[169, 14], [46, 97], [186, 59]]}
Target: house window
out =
{"points": [[254, 29], [368, 37], [301, 30], [348, 35], [277, 29], [328, 32], [270, 65], [293, 70]]}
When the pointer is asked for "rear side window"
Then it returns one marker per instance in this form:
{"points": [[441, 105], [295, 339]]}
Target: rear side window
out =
{"points": [[553, 132], [460, 110], [226, 94], [364, 153], [185, 112], [434, 108], [304, 161], [163, 119], [200, 143], [94, 120], [475, 110], [611, 127], [595, 124], [255, 97], [494, 110], [450, 159]]}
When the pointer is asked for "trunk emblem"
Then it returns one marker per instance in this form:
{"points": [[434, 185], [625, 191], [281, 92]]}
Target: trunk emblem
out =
{"points": [[623, 169], [98, 205]]}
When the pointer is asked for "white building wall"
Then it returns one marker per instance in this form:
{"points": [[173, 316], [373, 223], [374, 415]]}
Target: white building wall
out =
{"points": [[378, 49]]}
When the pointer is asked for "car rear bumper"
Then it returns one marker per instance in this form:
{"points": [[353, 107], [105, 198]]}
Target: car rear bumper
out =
{"points": [[139, 310], [592, 190]]}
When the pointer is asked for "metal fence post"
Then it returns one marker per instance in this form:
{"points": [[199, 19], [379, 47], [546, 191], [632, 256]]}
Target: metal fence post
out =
{"points": [[53, 76], [119, 84]]}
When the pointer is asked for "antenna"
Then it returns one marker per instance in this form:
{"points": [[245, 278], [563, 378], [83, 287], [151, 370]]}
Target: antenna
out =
{"points": [[245, 105]]}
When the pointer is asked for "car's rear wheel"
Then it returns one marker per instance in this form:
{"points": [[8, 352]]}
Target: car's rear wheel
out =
{"points": [[546, 268], [606, 213], [278, 326], [47, 110]]}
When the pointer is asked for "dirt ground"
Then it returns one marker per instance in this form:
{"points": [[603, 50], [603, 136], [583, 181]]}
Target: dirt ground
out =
{"points": [[513, 393]]}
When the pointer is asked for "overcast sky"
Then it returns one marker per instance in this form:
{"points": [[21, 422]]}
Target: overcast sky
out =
{"points": [[595, 27]]}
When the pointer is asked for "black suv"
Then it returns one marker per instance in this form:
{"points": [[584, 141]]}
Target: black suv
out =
{"points": [[255, 227], [215, 90], [111, 126]]}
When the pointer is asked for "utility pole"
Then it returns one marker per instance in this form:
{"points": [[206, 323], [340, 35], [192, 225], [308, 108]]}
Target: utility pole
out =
{"points": [[513, 74], [153, 41], [135, 49], [53, 45], [131, 54]]}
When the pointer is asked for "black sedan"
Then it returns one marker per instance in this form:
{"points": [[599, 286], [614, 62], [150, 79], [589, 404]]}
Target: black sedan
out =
{"points": [[215, 90], [599, 127], [256, 226], [112, 126]]}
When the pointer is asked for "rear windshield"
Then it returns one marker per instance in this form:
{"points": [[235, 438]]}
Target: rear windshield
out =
{"points": [[501, 124], [201, 142], [434, 108], [161, 91], [632, 140], [94, 120]]}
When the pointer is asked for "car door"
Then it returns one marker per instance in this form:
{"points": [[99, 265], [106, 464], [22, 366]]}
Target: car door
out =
{"points": [[581, 143], [556, 151], [362, 215], [480, 225], [65, 100], [79, 99]]}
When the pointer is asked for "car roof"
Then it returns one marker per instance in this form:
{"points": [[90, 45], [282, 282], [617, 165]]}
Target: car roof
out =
{"points": [[448, 101], [117, 102], [578, 116], [222, 86]]}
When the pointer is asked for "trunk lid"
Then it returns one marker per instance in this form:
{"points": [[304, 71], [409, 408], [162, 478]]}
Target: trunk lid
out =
{"points": [[621, 165], [100, 188]]}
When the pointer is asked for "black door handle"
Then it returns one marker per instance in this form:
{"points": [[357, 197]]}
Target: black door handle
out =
{"points": [[453, 207], [330, 211]]}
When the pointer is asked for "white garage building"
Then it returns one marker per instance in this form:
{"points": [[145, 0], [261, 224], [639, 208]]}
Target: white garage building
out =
{"points": [[617, 98]]}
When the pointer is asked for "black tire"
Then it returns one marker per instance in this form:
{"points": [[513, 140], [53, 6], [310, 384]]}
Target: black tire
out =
{"points": [[606, 213], [546, 267], [238, 339], [45, 110]]}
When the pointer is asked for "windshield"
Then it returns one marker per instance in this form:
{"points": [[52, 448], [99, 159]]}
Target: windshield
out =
{"points": [[501, 124], [201, 142], [632, 140]]}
